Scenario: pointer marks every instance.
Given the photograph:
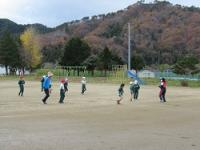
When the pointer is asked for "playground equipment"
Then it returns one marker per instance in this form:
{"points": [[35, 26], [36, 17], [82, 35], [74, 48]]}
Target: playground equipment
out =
{"points": [[118, 73], [66, 71], [133, 75]]}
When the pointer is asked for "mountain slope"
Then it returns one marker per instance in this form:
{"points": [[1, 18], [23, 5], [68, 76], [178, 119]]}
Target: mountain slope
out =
{"points": [[160, 32]]}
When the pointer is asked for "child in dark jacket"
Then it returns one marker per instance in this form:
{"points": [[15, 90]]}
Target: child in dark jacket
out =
{"points": [[83, 85], [120, 93], [136, 88], [62, 91], [21, 83], [66, 85], [163, 89]]}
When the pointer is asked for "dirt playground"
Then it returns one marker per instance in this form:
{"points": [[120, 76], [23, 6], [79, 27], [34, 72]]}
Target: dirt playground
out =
{"points": [[95, 122]]}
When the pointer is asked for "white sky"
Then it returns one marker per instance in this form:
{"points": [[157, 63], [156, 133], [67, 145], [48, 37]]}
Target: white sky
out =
{"points": [[56, 12]]}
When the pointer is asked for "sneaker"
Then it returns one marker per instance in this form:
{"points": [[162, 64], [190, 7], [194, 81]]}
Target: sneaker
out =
{"points": [[44, 102], [118, 101]]}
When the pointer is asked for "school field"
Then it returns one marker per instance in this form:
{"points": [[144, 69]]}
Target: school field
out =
{"points": [[95, 122]]}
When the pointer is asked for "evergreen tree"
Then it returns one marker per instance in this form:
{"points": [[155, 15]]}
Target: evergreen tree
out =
{"points": [[137, 63], [105, 60], [75, 52], [9, 54]]}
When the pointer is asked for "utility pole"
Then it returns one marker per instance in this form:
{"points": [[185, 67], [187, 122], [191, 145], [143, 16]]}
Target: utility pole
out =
{"points": [[129, 47]]}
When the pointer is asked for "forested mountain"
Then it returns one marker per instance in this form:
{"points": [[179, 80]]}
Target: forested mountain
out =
{"points": [[12, 27], [7, 25], [160, 32]]}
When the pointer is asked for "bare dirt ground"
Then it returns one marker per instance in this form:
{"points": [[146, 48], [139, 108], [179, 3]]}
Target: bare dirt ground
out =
{"points": [[95, 122]]}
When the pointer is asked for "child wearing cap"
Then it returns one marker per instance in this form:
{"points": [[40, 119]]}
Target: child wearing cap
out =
{"points": [[47, 87], [21, 83], [120, 93], [83, 87], [62, 91], [136, 88]]}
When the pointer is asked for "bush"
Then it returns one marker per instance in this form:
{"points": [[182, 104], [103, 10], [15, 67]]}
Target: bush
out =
{"points": [[184, 83]]}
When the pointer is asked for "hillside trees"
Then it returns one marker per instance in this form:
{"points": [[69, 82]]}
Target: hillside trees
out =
{"points": [[78, 53], [52, 54], [187, 65], [31, 48]]}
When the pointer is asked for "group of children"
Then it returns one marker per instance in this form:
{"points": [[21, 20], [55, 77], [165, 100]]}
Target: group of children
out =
{"points": [[46, 84], [134, 90], [135, 87], [46, 87]]}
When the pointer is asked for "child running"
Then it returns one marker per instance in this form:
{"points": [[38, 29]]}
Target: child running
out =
{"points": [[62, 91], [47, 87], [120, 92], [83, 83], [136, 88], [21, 83]]}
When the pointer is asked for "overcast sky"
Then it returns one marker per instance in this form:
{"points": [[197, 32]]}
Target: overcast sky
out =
{"points": [[56, 12]]}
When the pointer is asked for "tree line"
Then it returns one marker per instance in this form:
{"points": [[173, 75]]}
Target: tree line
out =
{"points": [[25, 52], [18, 53]]}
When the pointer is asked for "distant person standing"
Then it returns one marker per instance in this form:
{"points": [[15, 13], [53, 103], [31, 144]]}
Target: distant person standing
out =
{"points": [[66, 85], [83, 85], [47, 87], [120, 93], [62, 91], [21, 83], [136, 88], [131, 90], [163, 89]]}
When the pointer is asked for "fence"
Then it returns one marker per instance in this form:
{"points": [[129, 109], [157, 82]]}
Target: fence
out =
{"points": [[174, 76]]}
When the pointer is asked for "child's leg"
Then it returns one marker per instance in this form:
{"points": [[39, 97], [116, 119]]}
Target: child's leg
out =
{"points": [[118, 101], [160, 95], [131, 99], [22, 90], [83, 89], [164, 92], [62, 96], [136, 95], [46, 91]]}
